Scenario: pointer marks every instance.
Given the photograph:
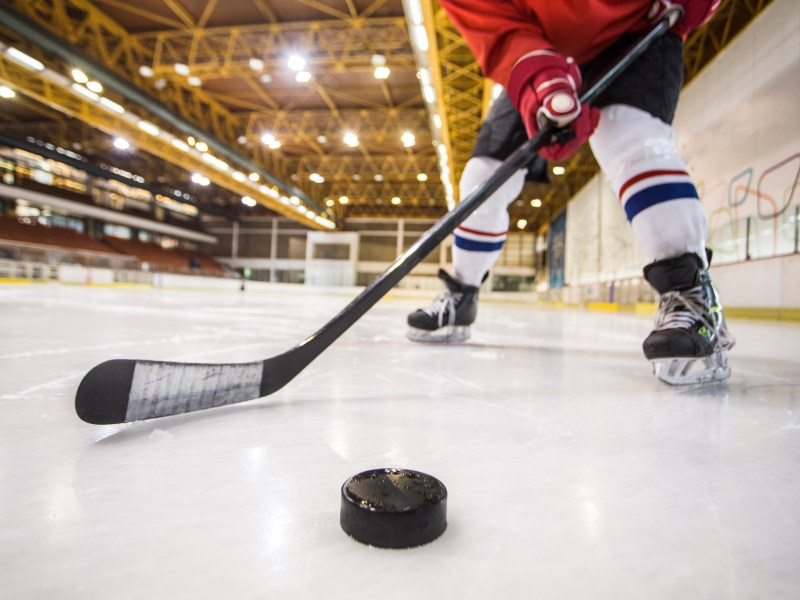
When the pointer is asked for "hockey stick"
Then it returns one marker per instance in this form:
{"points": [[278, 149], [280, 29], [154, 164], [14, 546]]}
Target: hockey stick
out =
{"points": [[123, 390]]}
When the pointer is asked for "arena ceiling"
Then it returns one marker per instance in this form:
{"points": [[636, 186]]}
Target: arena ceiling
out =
{"points": [[318, 110]]}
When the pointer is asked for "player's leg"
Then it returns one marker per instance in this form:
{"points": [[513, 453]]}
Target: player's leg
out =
{"points": [[480, 238], [635, 147]]}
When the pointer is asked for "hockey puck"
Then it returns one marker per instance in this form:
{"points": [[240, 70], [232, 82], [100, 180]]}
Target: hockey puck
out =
{"points": [[393, 508]]}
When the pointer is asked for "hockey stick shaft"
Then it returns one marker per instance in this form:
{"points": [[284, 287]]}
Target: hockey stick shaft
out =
{"points": [[123, 390]]}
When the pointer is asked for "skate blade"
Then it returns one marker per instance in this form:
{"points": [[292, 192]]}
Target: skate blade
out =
{"points": [[445, 335], [688, 371]]}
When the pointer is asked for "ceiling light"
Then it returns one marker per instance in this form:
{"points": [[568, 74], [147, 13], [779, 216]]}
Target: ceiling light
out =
{"points": [[274, 145], [256, 64], [181, 69], [350, 139], [79, 76], [343, 199], [190, 140], [95, 86], [6, 92], [254, 177], [382, 72], [522, 224], [148, 127], [146, 71], [202, 146], [420, 36], [121, 143], [242, 139], [84, 92], [239, 176], [294, 200], [559, 170], [316, 178], [248, 201], [378, 177], [24, 60], [200, 179], [112, 106], [329, 202], [180, 145], [194, 81], [356, 177], [265, 78], [322, 139], [396, 200], [302, 77], [536, 203], [302, 209], [422, 177], [296, 62], [408, 139], [377, 60], [437, 121]]}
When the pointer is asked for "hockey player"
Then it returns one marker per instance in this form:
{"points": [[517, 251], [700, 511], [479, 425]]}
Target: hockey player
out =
{"points": [[540, 51]]}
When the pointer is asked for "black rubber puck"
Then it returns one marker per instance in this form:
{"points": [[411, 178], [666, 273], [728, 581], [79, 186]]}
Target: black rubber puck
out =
{"points": [[393, 508]]}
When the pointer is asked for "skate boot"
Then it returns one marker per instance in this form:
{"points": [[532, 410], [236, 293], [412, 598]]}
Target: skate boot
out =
{"points": [[447, 320], [690, 341]]}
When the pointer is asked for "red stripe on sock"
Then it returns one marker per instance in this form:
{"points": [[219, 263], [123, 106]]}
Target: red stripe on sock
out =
{"points": [[645, 175], [476, 232]]}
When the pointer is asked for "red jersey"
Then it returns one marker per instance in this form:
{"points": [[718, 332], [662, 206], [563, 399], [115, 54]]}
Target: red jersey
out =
{"points": [[500, 32]]}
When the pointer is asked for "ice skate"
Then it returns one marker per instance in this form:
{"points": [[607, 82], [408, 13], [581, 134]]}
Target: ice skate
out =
{"points": [[690, 341], [448, 318]]}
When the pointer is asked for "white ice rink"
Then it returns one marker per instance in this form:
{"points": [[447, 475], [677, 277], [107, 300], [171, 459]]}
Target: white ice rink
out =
{"points": [[571, 471]]}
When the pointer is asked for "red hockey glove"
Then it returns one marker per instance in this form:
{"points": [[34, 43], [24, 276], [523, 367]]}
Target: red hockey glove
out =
{"points": [[696, 13], [544, 88]]}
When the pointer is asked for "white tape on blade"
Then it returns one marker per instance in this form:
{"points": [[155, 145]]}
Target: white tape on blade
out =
{"points": [[161, 389]]}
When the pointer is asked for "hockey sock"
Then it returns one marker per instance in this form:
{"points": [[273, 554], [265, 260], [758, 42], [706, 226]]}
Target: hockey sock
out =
{"points": [[479, 239], [637, 154]]}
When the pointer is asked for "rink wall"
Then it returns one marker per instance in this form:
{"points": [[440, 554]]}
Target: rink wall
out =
{"points": [[738, 128]]}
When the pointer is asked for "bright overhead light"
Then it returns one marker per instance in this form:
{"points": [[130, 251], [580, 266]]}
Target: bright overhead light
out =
{"points": [[382, 72], [148, 127], [396, 200], [112, 106], [296, 62], [242, 139], [6, 92], [350, 139], [408, 139], [420, 36], [329, 202], [302, 209], [316, 178], [248, 201], [343, 199], [121, 143], [378, 177], [95, 86], [200, 179], [180, 145], [256, 64], [322, 139], [182, 69], [536, 203], [302, 77], [202, 146], [294, 200], [437, 121], [254, 177], [377, 60], [79, 76], [146, 71], [559, 170], [24, 60], [194, 81], [85, 93], [422, 177], [239, 176], [269, 140], [190, 140], [522, 224], [274, 145], [265, 78]]}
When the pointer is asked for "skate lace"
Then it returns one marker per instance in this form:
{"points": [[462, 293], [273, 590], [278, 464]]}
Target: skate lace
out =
{"points": [[678, 310], [444, 304]]}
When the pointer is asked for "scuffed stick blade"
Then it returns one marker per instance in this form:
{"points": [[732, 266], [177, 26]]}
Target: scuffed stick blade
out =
{"points": [[120, 391]]}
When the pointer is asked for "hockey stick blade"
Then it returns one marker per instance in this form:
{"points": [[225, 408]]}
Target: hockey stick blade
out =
{"points": [[122, 390]]}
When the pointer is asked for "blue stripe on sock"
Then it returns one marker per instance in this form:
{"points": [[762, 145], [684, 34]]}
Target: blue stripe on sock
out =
{"points": [[476, 246], [657, 194]]}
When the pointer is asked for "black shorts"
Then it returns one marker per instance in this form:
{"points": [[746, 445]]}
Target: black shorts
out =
{"points": [[652, 83]]}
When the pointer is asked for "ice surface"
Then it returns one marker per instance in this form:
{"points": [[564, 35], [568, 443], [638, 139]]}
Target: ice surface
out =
{"points": [[571, 471]]}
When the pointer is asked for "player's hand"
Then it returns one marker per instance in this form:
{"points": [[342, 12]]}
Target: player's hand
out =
{"points": [[544, 88], [696, 13]]}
